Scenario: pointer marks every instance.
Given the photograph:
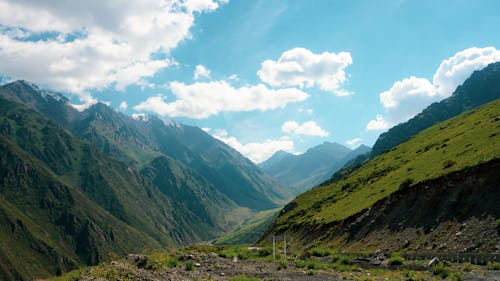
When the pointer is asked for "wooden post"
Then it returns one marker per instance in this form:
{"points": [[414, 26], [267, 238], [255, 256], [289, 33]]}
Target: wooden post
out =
{"points": [[274, 249], [284, 249]]}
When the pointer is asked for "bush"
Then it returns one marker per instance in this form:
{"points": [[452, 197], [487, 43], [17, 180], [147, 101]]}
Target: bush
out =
{"points": [[320, 252], [456, 276], [300, 264], [189, 265], [311, 272], [344, 260], [493, 265], [283, 264], [440, 270], [244, 278], [396, 260], [467, 267]]}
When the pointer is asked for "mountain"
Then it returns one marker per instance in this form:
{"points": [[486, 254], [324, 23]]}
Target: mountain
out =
{"points": [[436, 192], [138, 141], [77, 187], [480, 88], [306, 170]]}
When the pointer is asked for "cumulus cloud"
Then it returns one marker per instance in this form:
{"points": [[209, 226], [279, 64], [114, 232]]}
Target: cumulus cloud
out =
{"points": [[354, 142], [123, 105], [378, 124], [257, 152], [452, 72], [92, 44], [408, 97], [201, 100], [201, 71], [301, 67], [309, 128]]}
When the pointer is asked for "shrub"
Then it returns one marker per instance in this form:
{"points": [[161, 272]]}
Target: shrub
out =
{"points": [[467, 267], [189, 265], [300, 264], [283, 264], [440, 270], [311, 272], [320, 252], [493, 265], [396, 260], [456, 276], [244, 278]]}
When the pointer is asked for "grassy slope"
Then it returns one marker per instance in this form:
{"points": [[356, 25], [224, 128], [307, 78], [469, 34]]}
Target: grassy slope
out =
{"points": [[251, 230], [463, 141]]}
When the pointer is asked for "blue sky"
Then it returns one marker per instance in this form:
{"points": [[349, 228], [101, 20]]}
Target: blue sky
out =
{"points": [[258, 75]]}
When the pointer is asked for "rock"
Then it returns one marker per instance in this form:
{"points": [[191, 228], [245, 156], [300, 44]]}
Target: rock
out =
{"points": [[197, 264], [235, 259], [432, 262]]}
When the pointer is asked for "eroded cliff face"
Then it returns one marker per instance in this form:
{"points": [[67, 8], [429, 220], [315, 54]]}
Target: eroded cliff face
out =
{"points": [[458, 212]]}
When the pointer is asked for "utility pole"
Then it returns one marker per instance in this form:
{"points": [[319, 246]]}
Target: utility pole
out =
{"points": [[284, 248], [274, 248]]}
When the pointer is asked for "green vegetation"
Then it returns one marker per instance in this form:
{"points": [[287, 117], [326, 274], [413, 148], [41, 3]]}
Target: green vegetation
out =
{"points": [[441, 270], [244, 278], [467, 140], [189, 265], [283, 264], [251, 230], [493, 265], [320, 252], [396, 260]]}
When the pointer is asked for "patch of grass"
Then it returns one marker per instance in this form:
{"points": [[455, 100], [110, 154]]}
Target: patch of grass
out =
{"points": [[396, 260], [70, 276], [311, 272], [441, 270], [189, 265], [466, 267], [244, 278], [320, 252], [283, 264], [456, 276], [493, 265]]}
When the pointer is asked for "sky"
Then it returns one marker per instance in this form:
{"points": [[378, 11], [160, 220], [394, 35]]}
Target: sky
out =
{"points": [[261, 75]]}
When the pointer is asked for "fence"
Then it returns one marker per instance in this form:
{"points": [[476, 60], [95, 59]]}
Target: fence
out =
{"points": [[474, 258]]}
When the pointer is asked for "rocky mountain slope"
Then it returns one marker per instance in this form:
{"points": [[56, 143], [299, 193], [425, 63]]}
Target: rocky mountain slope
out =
{"points": [[77, 188], [443, 179], [301, 172]]}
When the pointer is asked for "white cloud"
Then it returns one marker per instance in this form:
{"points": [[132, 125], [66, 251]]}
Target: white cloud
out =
{"points": [[123, 105], [201, 100], [408, 97], [301, 67], [354, 142], [309, 128], [201, 71], [456, 69], [92, 44], [378, 124], [256, 151]]}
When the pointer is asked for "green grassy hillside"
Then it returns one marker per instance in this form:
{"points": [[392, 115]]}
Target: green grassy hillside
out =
{"points": [[464, 141]]}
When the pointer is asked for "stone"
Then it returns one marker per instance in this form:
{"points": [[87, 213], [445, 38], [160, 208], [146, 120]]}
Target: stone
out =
{"points": [[433, 261]]}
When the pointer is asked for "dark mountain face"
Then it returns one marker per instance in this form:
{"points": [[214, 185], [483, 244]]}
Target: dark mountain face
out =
{"points": [[483, 86], [304, 171]]}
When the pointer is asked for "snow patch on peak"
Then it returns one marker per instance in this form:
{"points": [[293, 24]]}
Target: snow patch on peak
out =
{"points": [[140, 117]]}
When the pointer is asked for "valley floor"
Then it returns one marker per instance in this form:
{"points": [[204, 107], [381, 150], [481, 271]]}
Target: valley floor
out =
{"points": [[242, 264]]}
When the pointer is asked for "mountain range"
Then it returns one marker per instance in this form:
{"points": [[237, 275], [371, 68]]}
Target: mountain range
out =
{"points": [[304, 171], [81, 186]]}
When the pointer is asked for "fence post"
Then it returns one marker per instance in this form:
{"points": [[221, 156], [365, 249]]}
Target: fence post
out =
{"points": [[274, 249], [284, 249]]}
